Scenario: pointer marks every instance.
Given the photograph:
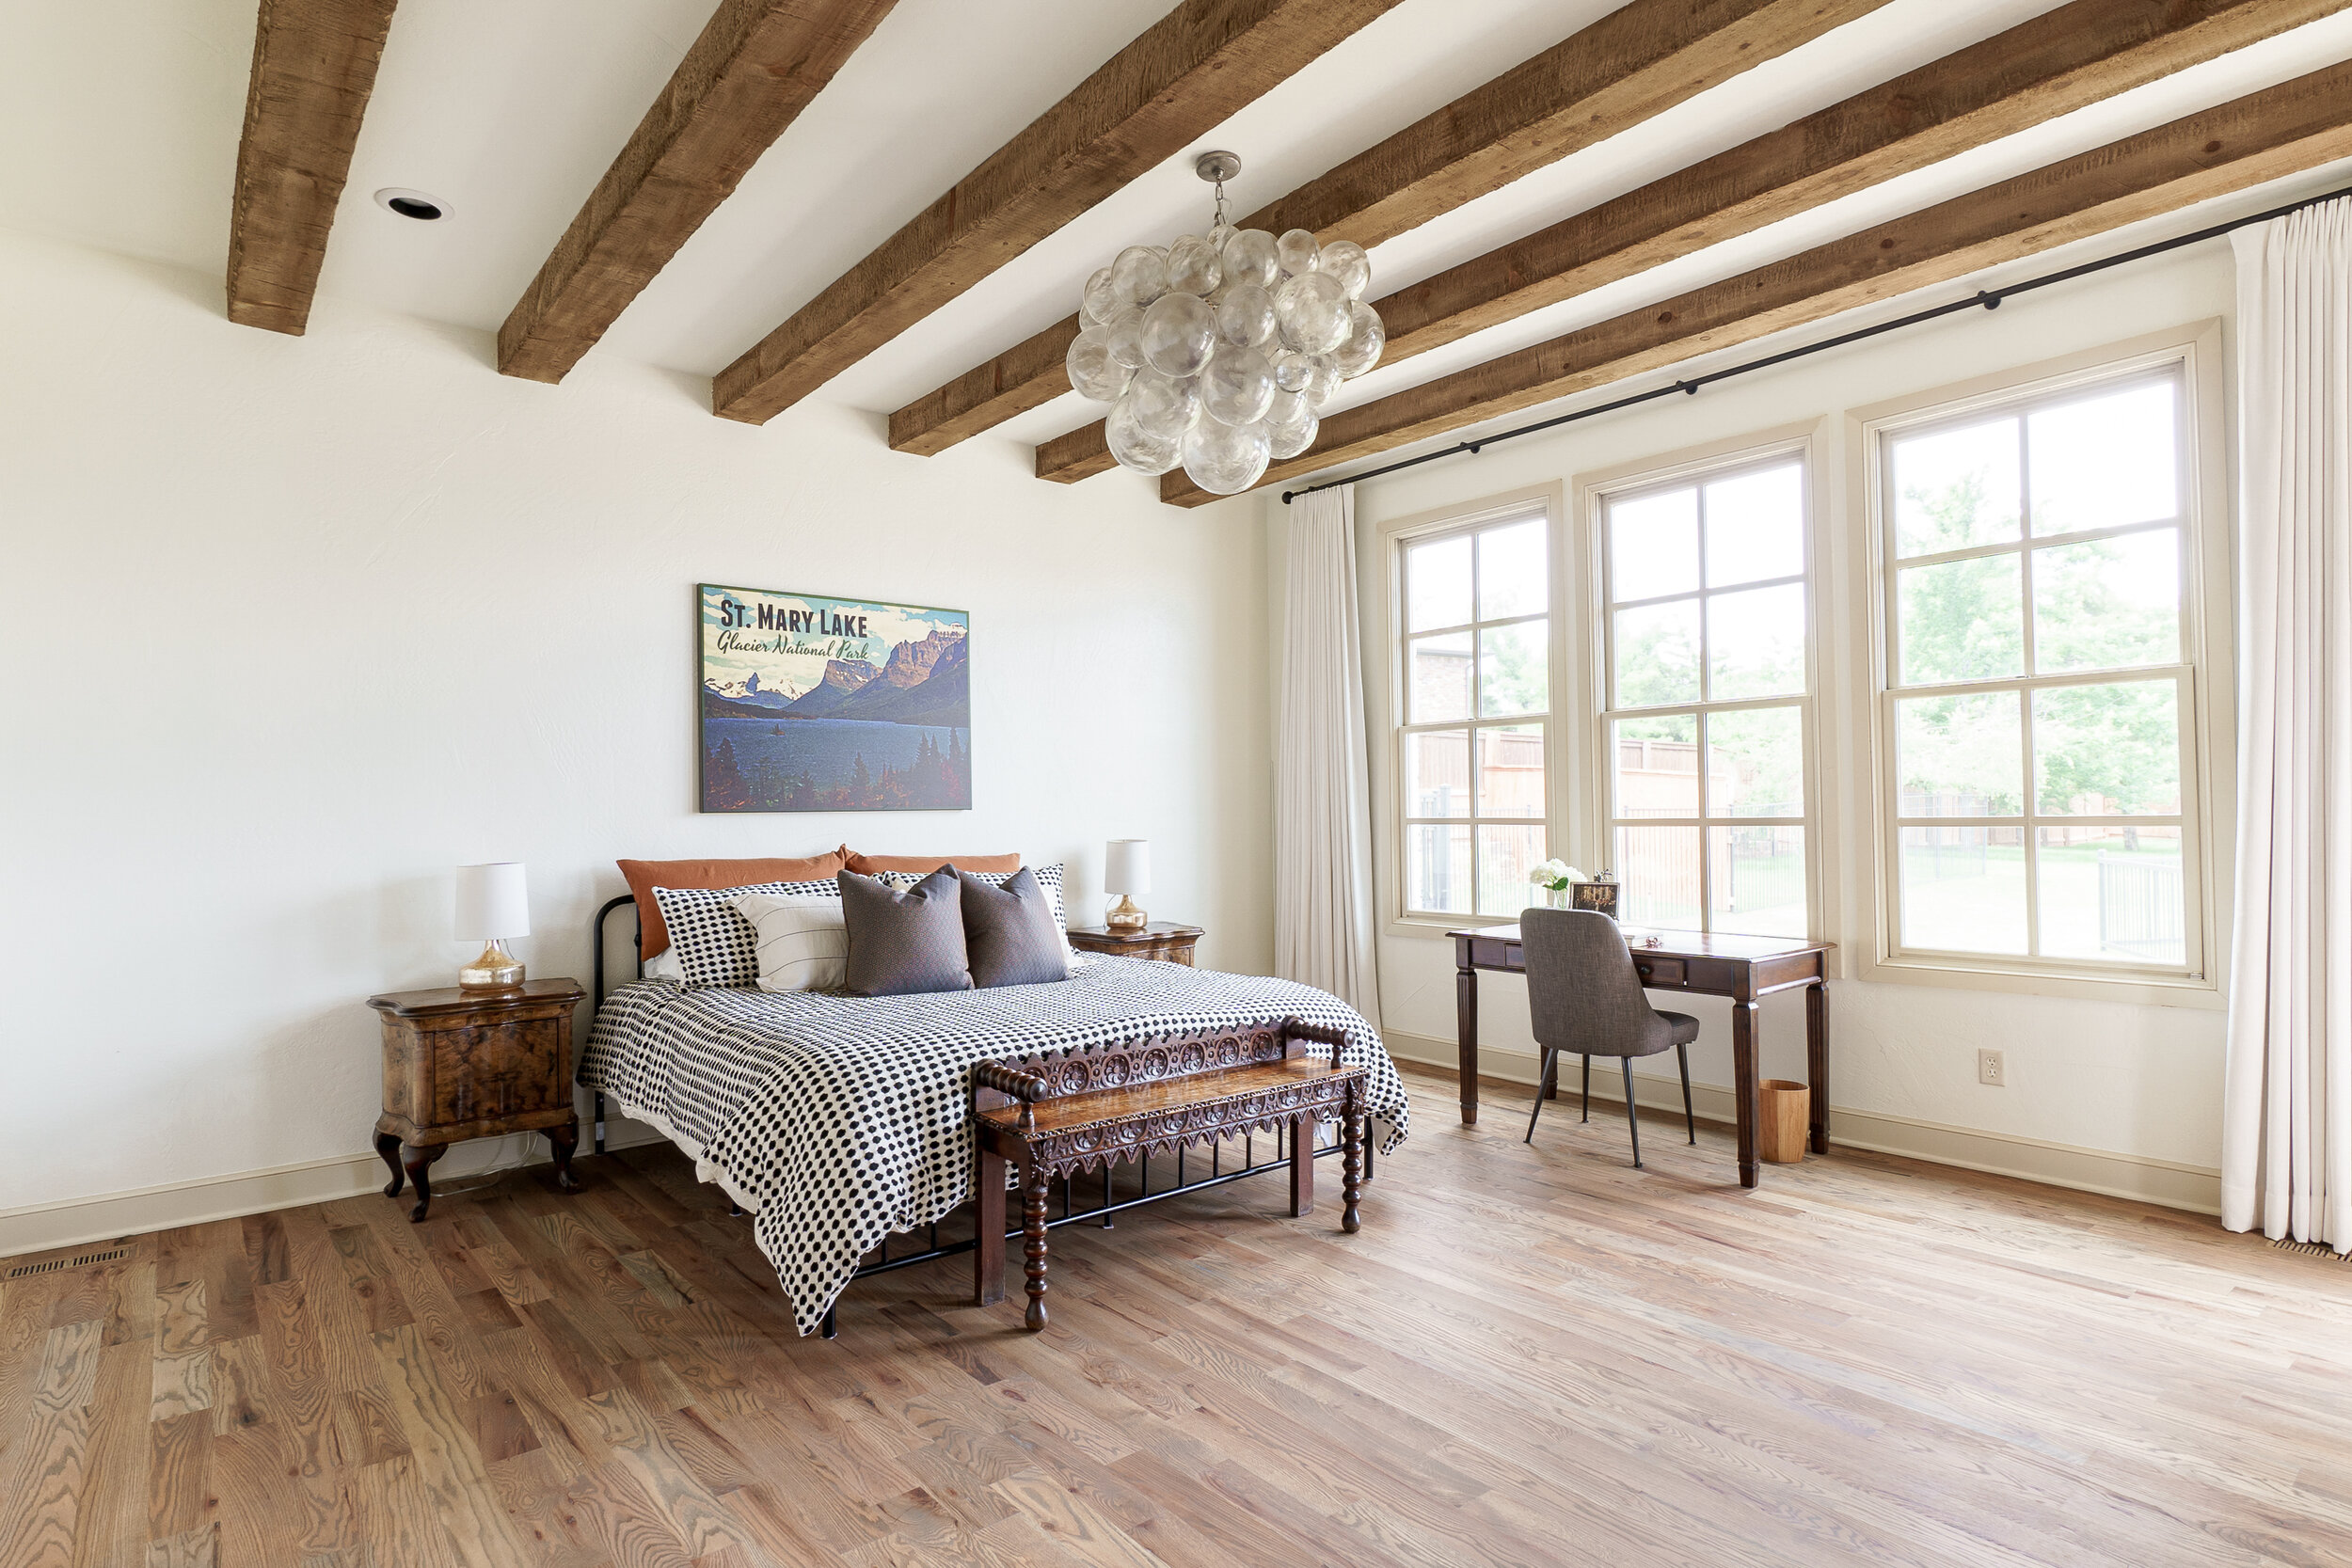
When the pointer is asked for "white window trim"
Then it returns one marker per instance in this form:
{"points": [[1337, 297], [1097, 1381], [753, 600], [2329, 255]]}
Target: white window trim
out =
{"points": [[1596, 838], [1394, 534], [2208, 715]]}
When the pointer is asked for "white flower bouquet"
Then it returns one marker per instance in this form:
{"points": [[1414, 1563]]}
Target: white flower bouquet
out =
{"points": [[1554, 876]]}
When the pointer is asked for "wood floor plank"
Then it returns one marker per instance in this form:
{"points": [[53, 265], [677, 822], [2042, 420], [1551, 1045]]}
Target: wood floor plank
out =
{"points": [[1532, 1354], [114, 1526], [47, 1494]]}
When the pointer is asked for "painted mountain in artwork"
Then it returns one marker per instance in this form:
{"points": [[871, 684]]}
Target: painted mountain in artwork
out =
{"points": [[749, 692], [918, 682]]}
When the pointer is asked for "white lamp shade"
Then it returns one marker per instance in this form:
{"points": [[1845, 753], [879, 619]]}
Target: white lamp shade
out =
{"points": [[491, 902], [1127, 865]]}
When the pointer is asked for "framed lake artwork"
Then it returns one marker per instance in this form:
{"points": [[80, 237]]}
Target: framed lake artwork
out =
{"points": [[815, 704]]}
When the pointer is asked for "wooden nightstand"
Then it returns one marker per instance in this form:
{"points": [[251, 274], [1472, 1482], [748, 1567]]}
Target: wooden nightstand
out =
{"points": [[1160, 940], [462, 1063]]}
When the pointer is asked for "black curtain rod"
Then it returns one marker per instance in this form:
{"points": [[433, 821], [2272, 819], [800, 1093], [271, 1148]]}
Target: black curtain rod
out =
{"points": [[1987, 298]]}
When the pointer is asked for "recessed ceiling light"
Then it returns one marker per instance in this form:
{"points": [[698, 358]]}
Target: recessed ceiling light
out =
{"points": [[411, 204]]}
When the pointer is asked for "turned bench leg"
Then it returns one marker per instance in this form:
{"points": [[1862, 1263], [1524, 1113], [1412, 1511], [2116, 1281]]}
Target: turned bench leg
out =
{"points": [[1302, 1165], [1033, 1185], [1351, 1165], [988, 1253]]}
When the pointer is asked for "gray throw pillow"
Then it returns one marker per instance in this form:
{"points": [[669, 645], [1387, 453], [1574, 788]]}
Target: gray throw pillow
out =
{"points": [[904, 941], [1011, 936]]}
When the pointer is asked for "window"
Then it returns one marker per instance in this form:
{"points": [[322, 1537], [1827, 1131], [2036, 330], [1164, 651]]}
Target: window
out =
{"points": [[1706, 720], [2038, 682], [1476, 604]]}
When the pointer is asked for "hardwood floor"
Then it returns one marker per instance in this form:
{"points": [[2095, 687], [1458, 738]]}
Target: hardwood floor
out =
{"points": [[1528, 1356]]}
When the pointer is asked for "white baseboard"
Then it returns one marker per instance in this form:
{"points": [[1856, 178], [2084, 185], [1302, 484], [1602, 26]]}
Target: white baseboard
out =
{"points": [[2167, 1183], [72, 1221]]}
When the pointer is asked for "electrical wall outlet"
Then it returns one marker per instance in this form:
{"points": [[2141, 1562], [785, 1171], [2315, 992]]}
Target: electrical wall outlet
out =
{"points": [[1989, 1070]]}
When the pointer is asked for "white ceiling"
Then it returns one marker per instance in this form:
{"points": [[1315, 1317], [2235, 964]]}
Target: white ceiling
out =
{"points": [[123, 117]]}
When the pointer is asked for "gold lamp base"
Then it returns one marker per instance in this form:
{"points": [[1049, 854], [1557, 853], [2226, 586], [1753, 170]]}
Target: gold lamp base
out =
{"points": [[495, 969], [1126, 915]]}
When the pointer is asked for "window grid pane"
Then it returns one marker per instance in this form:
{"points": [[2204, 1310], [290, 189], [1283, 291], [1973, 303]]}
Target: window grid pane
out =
{"points": [[1473, 748], [2062, 760], [1721, 561]]}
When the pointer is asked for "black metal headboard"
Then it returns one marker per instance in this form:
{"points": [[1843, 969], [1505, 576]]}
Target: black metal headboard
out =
{"points": [[595, 943]]}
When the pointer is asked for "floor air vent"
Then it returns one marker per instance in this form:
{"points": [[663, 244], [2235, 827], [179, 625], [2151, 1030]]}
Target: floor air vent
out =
{"points": [[53, 1264], [2310, 1250]]}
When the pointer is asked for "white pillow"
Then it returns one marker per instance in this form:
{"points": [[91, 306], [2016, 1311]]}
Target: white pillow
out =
{"points": [[801, 940], [663, 966]]}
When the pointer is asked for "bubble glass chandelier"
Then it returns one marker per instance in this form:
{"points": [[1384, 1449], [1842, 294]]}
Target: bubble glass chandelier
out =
{"points": [[1217, 353]]}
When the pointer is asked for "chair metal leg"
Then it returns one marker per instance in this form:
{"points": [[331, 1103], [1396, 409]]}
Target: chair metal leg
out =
{"points": [[1690, 1118], [1633, 1121], [1588, 1090], [1551, 1060]]}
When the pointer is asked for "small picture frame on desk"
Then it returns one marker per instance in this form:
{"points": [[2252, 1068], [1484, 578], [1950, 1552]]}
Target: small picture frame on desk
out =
{"points": [[1601, 897]]}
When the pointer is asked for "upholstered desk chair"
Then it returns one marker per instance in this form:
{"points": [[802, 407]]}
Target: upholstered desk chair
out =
{"points": [[1584, 997]]}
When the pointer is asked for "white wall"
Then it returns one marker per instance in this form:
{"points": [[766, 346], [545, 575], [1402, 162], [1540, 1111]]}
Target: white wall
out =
{"points": [[2128, 1094], [292, 625]]}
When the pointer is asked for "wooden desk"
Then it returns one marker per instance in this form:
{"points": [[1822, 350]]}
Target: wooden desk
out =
{"points": [[1745, 969]]}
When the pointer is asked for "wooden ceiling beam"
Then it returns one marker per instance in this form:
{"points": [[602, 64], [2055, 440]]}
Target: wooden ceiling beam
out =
{"points": [[1186, 73], [1637, 61], [313, 69], [2265, 135], [756, 66], [2055, 63]]}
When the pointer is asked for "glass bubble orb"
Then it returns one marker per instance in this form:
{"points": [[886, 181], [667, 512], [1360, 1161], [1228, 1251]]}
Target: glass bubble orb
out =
{"points": [[1193, 268], [1139, 275], [1237, 388], [1226, 459], [1286, 408], [1345, 260], [1136, 447], [1126, 341], [1291, 371], [1250, 258], [1313, 311], [1163, 406], [1322, 379], [1099, 302], [1244, 317], [1366, 338], [1179, 334], [1298, 253], [1220, 236], [1092, 371], [1289, 440]]}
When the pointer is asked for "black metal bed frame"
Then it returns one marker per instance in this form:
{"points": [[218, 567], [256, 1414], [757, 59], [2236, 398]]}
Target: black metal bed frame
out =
{"points": [[882, 1261]]}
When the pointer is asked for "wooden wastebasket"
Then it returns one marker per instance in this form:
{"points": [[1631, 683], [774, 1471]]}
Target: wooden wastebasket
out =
{"points": [[1782, 1109]]}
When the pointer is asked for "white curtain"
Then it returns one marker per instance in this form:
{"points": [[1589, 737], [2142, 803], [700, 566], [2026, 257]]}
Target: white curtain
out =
{"points": [[1322, 795], [2286, 1142]]}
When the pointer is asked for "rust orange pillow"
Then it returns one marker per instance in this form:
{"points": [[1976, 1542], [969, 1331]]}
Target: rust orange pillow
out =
{"points": [[866, 865], [645, 875]]}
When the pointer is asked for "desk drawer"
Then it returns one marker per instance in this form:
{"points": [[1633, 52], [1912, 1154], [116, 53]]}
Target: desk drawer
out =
{"points": [[1658, 971]]}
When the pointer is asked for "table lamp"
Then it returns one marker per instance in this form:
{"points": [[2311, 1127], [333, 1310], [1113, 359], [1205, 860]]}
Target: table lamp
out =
{"points": [[1126, 869], [492, 905]]}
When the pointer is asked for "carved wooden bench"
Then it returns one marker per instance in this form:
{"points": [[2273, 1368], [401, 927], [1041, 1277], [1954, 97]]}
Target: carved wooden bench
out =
{"points": [[1056, 1117]]}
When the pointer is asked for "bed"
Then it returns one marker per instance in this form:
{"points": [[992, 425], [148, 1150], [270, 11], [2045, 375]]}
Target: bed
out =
{"points": [[840, 1121]]}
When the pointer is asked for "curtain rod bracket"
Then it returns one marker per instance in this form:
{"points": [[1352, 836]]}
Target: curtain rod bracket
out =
{"points": [[1990, 300]]}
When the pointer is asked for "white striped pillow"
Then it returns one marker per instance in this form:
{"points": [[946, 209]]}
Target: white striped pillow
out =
{"points": [[801, 940]]}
